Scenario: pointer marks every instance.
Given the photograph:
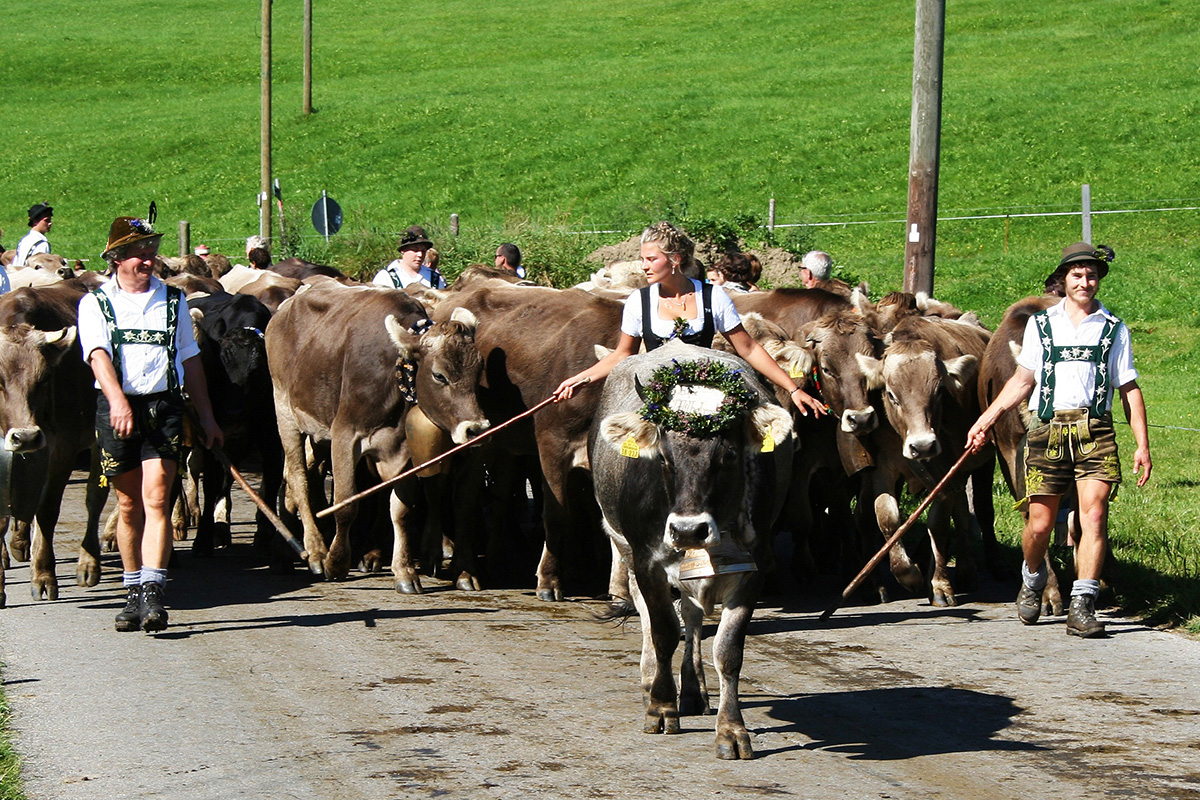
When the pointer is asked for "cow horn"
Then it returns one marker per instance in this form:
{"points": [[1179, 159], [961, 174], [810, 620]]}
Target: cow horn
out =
{"points": [[637, 385]]}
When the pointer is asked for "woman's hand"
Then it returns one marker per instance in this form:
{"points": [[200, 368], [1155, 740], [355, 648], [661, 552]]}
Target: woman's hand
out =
{"points": [[805, 401]]}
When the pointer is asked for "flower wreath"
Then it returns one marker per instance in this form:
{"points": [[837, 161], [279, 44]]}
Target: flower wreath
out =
{"points": [[714, 374]]}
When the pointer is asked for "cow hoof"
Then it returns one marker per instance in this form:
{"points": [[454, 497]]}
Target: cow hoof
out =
{"points": [[945, 600], [664, 720], [406, 586], [179, 533], [468, 583], [550, 595], [43, 589], [372, 561], [734, 744], [1051, 610], [315, 568], [693, 705], [87, 575]]}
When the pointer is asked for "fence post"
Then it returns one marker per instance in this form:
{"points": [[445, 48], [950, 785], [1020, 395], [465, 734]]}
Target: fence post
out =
{"points": [[771, 216], [1087, 213], [454, 224], [185, 238]]}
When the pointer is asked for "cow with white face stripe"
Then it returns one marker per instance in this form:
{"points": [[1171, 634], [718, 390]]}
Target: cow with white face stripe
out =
{"points": [[690, 464]]}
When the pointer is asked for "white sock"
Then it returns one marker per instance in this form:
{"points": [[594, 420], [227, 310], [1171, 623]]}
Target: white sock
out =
{"points": [[1034, 580], [1085, 586], [131, 578], [154, 575]]}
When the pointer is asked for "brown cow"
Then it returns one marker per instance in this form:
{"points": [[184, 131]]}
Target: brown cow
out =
{"points": [[530, 338], [790, 309], [300, 270], [334, 355], [47, 413], [930, 368]]}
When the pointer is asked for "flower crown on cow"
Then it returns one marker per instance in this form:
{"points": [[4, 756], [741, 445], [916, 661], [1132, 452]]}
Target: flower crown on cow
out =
{"points": [[675, 398]]}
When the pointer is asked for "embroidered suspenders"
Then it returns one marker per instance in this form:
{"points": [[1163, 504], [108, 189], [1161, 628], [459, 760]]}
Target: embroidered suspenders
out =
{"points": [[164, 338], [1054, 354]]}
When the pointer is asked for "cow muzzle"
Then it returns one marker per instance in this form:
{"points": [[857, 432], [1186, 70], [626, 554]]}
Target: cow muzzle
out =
{"points": [[466, 431], [922, 446], [859, 420], [691, 531], [24, 440]]}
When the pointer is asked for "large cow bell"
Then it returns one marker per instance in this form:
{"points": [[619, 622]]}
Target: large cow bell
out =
{"points": [[22, 478]]}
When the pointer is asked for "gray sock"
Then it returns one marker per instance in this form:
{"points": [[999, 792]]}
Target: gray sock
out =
{"points": [[154, 575], [1085, 586], [1034, 580]]}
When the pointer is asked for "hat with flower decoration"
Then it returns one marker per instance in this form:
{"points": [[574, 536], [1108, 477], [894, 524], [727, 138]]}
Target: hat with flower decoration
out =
{"points": [[1084, 253], [129, 230]]}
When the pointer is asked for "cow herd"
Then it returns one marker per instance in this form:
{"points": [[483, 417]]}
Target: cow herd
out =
{"points": [[332, 383]]}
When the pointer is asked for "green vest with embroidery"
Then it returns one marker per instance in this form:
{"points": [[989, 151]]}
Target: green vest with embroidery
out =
{"points": [[163, 338], [1054, 354]]}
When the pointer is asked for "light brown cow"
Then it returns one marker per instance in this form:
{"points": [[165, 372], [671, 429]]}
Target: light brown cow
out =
{"points": [[334, 354]]}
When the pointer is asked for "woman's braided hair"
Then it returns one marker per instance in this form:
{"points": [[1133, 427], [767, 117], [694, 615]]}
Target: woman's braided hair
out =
{"points": [[673, 242]]}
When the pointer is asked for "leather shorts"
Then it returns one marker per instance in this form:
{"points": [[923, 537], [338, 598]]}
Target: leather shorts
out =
{"points": [[157, 433], [1073, 446]]}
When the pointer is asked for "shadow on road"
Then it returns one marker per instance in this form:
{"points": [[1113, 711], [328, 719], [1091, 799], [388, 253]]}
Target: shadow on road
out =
{"points": [[894, 723]]}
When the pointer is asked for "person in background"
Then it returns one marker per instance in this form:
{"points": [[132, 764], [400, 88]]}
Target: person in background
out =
{"points": [[1073, 356], [674, 305], [136, 334], [407, 269], [41, 217], [203, 251], [508, 257], [259, 258], [815, 267], [732, 272]]}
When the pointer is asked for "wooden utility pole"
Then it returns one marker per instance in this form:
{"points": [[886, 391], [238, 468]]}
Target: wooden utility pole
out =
{"points": [[307, 56], [264, 194], [924, 143]]}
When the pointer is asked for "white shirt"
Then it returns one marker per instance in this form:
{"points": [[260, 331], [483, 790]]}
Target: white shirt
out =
{"points": [[143, 366], [1074, 380], [34, 242], [725, 316], [5, 285]]}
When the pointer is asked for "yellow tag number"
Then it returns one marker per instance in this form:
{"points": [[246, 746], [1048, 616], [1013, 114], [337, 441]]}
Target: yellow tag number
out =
{"points": [[768, 443], [629, 447]]}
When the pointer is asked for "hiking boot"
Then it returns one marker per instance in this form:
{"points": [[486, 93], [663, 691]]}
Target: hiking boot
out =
{"points": [[154, 616], [1081, 619], [1029, 604], [130, 617]]}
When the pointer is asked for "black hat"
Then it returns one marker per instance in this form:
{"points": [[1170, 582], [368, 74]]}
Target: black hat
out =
{"points": [[414, 237], [1081, 253], [38, 211]]}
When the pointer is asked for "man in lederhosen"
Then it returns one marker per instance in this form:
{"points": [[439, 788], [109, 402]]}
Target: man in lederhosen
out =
{"points": [[1073, 356], [137, 336]]}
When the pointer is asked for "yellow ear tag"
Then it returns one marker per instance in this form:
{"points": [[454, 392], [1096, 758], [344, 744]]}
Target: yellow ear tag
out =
{"points": [[768, 443], [795, 373], [629, 447]]}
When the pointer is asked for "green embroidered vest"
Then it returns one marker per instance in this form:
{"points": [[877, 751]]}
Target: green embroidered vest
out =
{"points": [[164, 338], [1054, 354]]}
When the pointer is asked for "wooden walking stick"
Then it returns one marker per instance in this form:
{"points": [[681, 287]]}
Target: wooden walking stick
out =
{"points": [[903, 529], [355, 498]]}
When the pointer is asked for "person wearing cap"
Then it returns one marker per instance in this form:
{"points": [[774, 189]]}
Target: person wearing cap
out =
{"points": [[203, 251], [41, 217], [508, 257], [407, 269], [136, 334], [1073, 356]]}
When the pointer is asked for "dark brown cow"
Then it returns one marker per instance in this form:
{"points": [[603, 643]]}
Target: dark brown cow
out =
{"points": [[47, 413], [790, 309], [930, 369], [300, 269], [530, 338], [334, 354]]}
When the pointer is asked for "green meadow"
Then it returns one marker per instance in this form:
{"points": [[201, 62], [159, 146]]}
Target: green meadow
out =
{"points": [[544, 122]]}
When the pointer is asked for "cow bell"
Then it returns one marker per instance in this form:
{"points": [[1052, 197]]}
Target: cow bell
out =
{"points": [[724, 559], [22, 476]]}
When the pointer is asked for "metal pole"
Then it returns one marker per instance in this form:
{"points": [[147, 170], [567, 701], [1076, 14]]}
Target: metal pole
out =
{"points": [[924, 143], [1087, 213], [307, 56], [264, 205]]}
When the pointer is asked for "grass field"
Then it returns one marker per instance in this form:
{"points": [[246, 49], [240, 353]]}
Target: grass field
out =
{"points": [[535, 121]]}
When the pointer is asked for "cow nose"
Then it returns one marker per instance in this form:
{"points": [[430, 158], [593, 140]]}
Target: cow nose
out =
{"points": [[859, 420], [922, 446], [688, 531], [466, 431], [24, 440]]}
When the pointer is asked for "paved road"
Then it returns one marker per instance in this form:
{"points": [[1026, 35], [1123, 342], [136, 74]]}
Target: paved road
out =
{"points": [[276, 686]]}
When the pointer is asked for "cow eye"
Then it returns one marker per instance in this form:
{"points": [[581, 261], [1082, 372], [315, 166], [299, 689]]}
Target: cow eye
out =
{"points": [[892, 398], [440, 378]]}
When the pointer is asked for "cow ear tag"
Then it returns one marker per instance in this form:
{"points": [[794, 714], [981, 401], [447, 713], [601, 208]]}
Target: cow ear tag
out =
{"points": [[768, 445], [629, 447], [795, 372]]}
